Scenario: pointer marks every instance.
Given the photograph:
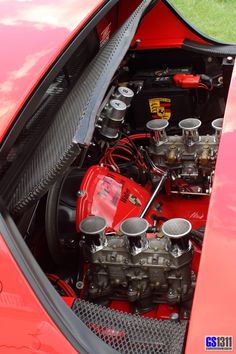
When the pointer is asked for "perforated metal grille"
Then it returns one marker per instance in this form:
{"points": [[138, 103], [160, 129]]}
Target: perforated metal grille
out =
{"points": [[75, 121], [132, 334]]}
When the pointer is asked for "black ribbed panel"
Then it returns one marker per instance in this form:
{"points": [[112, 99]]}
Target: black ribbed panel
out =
{"points": [[213, 50]]}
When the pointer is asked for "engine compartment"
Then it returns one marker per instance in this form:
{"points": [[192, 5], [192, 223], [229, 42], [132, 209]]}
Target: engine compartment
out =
{"points": [[125, 225]]}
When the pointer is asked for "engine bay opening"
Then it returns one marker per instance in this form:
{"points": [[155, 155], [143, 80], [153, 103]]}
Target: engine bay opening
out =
{"points": [[125, 225]]}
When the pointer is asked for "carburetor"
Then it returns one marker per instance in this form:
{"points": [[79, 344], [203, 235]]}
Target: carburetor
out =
{"points": [[113, 110], [136, 265], [190, 158]]}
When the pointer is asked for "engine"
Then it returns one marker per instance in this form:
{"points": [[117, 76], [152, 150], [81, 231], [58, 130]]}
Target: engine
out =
{"points": [[190, 158], [131, 211], [139, 264], [133, 252]]}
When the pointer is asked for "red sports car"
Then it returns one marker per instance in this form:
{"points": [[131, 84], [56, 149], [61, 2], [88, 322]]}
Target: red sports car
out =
{"points": [[117, 180]]}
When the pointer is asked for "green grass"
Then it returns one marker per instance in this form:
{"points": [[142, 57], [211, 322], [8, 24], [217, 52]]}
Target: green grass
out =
{"points": [[216, 18]]}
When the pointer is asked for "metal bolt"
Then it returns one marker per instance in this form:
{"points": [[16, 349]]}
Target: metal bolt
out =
{"points": [[79, 285], [81, 243], [186, 315], [220, 80], [80, 194], [174, 316], [229, 60]]}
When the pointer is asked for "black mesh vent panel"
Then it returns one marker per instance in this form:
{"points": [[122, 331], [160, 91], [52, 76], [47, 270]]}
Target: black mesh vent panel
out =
{"points": [[131, 334]]}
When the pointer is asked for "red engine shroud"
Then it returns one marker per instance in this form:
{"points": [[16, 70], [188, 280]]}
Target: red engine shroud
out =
{"points": [[116, 198], [110, 195]]}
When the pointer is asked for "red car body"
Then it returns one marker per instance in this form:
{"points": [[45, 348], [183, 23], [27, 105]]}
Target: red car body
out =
{"points": [[33, 36]]}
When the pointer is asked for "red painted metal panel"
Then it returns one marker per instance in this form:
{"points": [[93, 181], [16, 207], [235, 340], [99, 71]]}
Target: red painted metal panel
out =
{"points": [[32, 35], [162, 29], [109, 195], [25, 325], [214, 310]]}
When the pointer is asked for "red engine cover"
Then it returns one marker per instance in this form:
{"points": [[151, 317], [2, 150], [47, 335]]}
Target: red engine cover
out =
{"points": [[110, 195]]}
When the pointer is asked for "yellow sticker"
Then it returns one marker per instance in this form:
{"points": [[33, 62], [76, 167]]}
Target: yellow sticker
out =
{"points": [[160, 107]]}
